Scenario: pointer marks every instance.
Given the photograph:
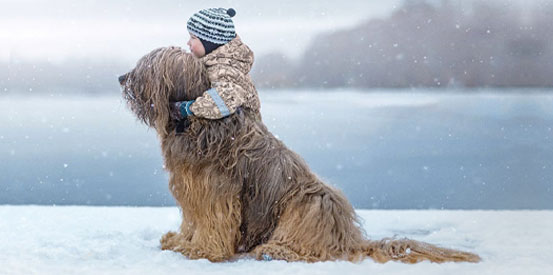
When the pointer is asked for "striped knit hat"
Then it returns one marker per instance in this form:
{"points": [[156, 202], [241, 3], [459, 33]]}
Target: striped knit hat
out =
{"points": [[213, 26]]}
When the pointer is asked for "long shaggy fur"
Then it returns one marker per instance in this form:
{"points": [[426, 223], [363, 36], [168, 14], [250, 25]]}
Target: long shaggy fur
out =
{"points": [[241, 190]]}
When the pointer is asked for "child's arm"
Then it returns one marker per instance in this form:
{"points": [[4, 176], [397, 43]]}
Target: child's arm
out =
{"points": [[220, 101]]}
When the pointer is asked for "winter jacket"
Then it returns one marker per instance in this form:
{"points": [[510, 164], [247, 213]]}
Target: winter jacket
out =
{"points": [[231, 86]]}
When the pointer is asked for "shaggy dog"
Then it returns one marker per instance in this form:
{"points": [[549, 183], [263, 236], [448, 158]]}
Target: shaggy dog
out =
{"points": [[241, 190]]}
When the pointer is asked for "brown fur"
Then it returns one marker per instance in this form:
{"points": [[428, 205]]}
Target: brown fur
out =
{"points": [[242, 190]]}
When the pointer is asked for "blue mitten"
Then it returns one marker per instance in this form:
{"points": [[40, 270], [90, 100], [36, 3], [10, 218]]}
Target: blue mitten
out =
{"points": [[181, 109]]}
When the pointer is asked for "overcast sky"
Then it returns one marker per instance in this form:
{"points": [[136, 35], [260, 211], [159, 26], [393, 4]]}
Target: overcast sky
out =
{"points": [[61, 29], [125, 30]]}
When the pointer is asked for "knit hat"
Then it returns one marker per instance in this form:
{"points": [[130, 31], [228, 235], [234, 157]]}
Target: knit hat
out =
{"points": [[214, 27]]}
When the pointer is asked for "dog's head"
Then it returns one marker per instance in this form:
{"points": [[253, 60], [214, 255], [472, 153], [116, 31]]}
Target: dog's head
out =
{"points": [[164, 75]]}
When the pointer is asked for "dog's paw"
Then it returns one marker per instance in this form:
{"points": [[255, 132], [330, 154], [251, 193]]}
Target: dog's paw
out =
{"points": [[266, 257], [167, 241]]}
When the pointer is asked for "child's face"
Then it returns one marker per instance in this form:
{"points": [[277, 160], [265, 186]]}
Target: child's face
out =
{"points": [[196, 46]]}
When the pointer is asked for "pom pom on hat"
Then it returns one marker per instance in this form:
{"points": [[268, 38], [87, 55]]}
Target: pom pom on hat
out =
{"points": [[231, 12]]}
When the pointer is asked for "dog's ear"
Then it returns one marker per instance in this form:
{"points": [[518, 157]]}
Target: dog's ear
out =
{"points": [[194, 77], [179, 82]]}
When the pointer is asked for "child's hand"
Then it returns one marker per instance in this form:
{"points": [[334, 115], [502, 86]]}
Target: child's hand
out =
{"points": [[174, 110], [180, 109]]}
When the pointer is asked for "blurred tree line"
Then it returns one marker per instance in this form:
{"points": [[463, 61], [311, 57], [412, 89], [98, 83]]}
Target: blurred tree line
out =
{"points": [[426, 44]]}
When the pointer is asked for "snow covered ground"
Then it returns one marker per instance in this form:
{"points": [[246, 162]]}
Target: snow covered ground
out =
{"points": [[124, 240]]}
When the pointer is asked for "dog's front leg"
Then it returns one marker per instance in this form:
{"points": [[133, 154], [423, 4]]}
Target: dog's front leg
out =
{"points": [[211, 215], [218, 232]]}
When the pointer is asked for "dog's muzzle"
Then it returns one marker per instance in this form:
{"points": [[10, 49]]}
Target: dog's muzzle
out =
{"points": [[123, 81]]}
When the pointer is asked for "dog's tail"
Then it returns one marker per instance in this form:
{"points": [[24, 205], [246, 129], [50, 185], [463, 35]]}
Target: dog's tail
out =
{"points": [[411, 251]]}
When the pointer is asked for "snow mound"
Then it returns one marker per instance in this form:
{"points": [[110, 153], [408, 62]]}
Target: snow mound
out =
{"points": [[125, 240]]}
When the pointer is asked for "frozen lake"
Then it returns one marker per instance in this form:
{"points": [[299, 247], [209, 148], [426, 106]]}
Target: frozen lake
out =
{"points": [[385, 150]]}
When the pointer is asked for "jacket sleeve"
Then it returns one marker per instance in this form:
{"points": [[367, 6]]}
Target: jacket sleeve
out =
{"points": [[221, 100]]}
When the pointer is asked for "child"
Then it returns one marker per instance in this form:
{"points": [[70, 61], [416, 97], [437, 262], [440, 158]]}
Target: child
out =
{"points": [[228, 62]]}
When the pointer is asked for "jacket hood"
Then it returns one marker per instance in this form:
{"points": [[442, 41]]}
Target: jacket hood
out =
{"points": [[234, 53]]}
